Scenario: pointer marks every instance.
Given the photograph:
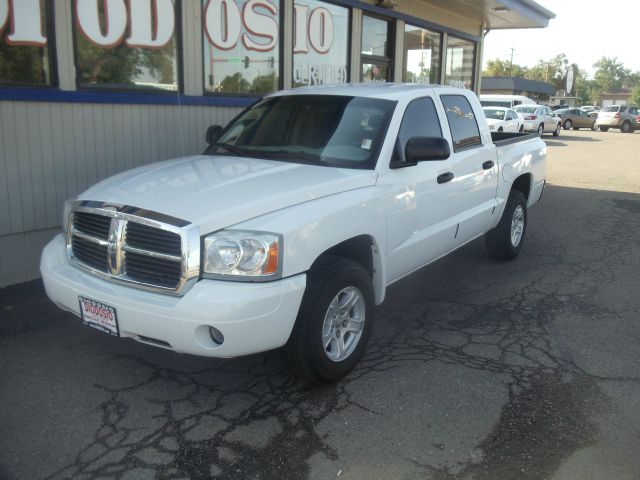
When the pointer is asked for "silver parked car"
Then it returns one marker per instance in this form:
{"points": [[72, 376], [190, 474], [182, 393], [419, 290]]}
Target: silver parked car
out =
{"points": [[539, 118], [618, 116]]}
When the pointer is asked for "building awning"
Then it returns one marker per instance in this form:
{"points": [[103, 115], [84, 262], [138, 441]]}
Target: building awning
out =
{"points": [[501, 14]]}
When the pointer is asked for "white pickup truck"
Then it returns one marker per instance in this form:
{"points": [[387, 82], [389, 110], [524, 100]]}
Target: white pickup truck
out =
{"points": [[290, 227]]}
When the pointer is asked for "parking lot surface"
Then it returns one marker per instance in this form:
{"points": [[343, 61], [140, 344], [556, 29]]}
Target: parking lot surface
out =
{"points": [[476, 370]]}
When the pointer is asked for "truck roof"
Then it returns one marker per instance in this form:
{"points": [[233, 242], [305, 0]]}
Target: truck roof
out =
{"points": [[385, 90]]}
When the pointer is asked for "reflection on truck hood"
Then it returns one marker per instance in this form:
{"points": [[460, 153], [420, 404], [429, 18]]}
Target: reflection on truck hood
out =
{"points": [[219, 191]]}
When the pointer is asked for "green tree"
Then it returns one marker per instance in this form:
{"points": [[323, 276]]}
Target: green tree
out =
{"points": [[502, 68], [235, 84], [635, 96], [123, 65], [609, 73], [553, 71]]}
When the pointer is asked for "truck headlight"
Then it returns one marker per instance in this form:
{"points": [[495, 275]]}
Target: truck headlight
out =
{"points": [[242, 255], [66, 213]]}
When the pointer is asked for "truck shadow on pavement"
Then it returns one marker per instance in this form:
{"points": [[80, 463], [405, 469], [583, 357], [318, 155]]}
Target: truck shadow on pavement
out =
{"points": [[476, 370]]}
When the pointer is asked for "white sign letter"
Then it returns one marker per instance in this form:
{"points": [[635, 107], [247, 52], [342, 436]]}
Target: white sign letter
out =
{"points": [[26, 23], [321, 30], [115, 14], [142, 32], [222, 23], [260, 25], [300, 13]]}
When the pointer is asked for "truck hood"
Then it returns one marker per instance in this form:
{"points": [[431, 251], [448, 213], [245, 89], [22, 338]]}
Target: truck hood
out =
{"points": [[215, 192]]}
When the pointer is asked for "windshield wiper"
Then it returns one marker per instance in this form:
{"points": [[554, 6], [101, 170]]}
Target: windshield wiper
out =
{"points": [[288, 154], [230, 148]]}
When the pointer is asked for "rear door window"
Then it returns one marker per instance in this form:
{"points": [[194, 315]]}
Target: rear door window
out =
{"points": [[462, 122]]}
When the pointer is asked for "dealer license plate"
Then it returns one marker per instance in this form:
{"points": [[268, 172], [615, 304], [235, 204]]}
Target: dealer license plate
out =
{"points": [[99, 315]]}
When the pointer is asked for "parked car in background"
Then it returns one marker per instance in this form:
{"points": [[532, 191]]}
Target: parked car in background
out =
{"points": [[539, 118], [501, 119], [576, 119], [623, 117], [590, 109]]}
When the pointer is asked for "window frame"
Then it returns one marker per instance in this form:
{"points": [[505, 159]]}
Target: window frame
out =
{"points": [[349, 9], [51, 46], [280, 48], [387, 60], [440, 50], [75, 26]]}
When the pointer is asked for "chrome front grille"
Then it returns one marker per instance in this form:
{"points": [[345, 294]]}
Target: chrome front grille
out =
{"points": [[134, 246]]}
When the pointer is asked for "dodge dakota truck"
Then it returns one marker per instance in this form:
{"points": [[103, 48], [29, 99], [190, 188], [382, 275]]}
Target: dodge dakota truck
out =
{"points": [[288, 229]]}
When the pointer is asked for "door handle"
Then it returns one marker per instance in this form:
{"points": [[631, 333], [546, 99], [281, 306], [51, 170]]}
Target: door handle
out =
{"points": [[488, 164], [445, 177]]}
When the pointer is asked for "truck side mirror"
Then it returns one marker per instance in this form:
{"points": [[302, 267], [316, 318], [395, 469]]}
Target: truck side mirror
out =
{"points": [[420, 149], [213, 133]]}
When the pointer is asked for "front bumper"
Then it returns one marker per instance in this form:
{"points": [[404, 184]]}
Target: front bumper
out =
{"points": [[253, 317]]}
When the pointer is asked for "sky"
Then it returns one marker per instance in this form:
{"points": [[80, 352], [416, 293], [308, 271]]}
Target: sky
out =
{"points": [[584, 30]]}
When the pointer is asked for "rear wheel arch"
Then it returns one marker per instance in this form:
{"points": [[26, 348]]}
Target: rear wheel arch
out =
{"points": [[523, 184]]}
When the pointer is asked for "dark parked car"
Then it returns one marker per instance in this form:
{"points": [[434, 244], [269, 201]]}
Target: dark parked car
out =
{"points": [[576, 119]]}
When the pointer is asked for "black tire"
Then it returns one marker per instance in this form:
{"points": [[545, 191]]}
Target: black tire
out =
{"points": [[576, 128], [604, 129], [626, 127], [305, 349], [594, 126], [500, 129], [521, 128], [541, 129], [556, 132], [499, 239], [567, 124]]}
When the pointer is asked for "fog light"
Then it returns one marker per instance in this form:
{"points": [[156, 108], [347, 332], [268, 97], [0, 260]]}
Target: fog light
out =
{"points": [[216, 335]]}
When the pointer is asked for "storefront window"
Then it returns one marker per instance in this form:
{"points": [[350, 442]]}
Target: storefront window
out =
{"points": [[376, 48], [120, 47], [421, 55], [460, 62], [320, 43], [241, 52], [25, 43]]}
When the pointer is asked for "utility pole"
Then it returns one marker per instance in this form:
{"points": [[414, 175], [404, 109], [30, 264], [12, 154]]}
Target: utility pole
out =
{"points": [[511, 64]]}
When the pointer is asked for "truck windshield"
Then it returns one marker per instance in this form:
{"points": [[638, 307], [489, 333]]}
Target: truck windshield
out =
{"points": [[330, 130]]}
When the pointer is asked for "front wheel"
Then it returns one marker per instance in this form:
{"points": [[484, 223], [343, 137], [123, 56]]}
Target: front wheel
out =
{"points": [[604, 129], [505, 240], [556, 132], [521, 128], [334, 322], [567, 124], [541, 129], [594, 126]]}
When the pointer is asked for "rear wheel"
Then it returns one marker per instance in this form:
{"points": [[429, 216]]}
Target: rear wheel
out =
{"points": [[334, 322], [604, 129], [626, 127], [505, 241], [567, 124], [594, 126], [541, 129], [521, 128]]}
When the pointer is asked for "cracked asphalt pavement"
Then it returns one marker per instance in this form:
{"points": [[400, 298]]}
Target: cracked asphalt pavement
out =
{"points": [[476, 370]]}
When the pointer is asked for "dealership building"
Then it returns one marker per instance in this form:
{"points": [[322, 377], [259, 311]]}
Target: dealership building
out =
{"points": [[89, 88]]}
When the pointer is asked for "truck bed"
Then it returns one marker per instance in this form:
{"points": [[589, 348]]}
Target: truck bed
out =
{"points": [[506, 138]]}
